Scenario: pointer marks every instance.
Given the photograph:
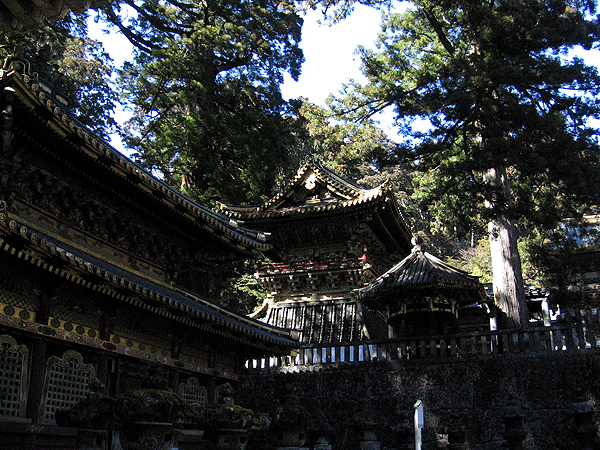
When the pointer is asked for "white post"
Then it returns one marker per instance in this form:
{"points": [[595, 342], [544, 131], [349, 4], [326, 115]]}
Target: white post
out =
{"points": [[546, 312], [419, 424]]}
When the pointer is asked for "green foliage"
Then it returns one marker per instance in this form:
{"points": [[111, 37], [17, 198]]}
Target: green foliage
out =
{"points": [[205, 93], [75, 65], [336, 10], [349, 148], [476, 261], [477, 85], [234, 286], [556, 255]]}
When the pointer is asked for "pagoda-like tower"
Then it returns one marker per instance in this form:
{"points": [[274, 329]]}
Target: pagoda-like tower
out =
{"points": [[330, 237]]}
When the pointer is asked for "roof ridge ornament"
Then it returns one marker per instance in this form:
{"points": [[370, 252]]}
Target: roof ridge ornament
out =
{"points": [[417, 242], [17, 63]]}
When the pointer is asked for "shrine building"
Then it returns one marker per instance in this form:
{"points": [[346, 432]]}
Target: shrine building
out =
{"points": [[103, 274], [330, 237]]}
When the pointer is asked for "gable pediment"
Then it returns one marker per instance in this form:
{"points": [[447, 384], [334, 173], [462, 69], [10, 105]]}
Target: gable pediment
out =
{"points": [[310, 188]]}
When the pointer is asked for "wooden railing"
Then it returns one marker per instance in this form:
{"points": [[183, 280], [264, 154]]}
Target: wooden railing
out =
{"points": [[581, 332]]}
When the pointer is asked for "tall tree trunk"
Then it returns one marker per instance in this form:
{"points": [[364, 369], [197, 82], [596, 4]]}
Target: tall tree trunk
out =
{"points": [[509, 293]]}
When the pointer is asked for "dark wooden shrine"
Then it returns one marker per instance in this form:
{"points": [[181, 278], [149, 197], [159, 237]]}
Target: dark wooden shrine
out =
{"points": [[422, 295], [330, 237], [103, 268]]}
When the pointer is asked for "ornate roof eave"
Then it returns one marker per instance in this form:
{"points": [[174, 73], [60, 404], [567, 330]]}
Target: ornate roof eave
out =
{"points": [[314, 164], [167, 301], [307, 210], [418, 272], [352, 194], [37, 96]]}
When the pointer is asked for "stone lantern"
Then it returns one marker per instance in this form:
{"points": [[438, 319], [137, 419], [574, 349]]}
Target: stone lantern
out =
{"points": [[585, 429], [514, 425]]}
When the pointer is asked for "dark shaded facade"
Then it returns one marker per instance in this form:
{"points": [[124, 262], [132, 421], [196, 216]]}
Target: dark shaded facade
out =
{"points": [[102, 274]]}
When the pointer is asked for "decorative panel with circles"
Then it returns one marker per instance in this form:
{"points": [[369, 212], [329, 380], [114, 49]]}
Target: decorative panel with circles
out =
{"points": [[17, 312], [72, 327]]}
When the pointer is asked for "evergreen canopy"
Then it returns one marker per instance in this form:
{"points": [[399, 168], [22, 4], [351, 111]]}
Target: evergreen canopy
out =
{"points": [[507, 109], [497, 88], [205, 92]]}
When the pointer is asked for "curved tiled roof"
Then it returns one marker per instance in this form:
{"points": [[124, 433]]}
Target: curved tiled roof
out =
{"points": [[39, 98], [348, 195], [99, 275], [421, 270]]}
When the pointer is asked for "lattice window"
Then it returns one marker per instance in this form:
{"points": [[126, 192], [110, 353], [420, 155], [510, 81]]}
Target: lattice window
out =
{"points": [[192, 393], [13, 377], [67, 382]]}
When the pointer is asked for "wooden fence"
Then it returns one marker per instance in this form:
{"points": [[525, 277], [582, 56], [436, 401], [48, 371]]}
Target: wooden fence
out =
{"points": [[580, 330]]}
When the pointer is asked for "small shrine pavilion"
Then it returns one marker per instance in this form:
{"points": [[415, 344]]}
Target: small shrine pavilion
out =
{"points": [[421, 295], [329, 238]]}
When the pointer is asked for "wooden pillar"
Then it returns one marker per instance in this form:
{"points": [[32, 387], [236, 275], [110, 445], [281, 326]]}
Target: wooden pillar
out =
{"points": [[210, 391], [174, 380], [102, 372], [36, 388], [36, 379]]}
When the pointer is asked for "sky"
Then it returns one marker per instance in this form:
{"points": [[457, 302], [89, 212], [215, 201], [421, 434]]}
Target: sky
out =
{"points": [[329, 53]]}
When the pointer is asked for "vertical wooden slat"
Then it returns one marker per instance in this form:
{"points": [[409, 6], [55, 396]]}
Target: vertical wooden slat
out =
{"points": [[495, 345], [558, 340], [354, 353], [473, 341], [443, 348], [579, 326], [402, 351], [484, 345], [413, 349], [506, 347], [537, 341], [432, 348], [366, 352]]}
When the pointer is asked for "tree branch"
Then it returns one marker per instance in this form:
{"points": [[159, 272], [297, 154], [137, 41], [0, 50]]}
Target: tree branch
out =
{"points": [[437, 27], [139, 43]]}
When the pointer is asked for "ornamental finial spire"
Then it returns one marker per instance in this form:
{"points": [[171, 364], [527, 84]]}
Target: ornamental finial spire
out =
{"points": [[417, 242]]}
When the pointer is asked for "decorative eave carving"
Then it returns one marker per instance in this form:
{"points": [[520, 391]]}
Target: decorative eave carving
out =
{"points": [[93, 151], [305, 278], [168, 302], [420, 282], [314, 190]]}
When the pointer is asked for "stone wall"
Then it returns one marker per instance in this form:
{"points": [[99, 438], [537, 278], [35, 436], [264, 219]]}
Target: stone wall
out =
{"points": [[474, 394]]}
